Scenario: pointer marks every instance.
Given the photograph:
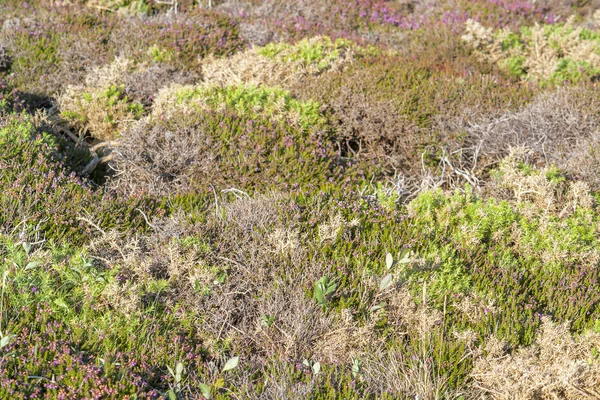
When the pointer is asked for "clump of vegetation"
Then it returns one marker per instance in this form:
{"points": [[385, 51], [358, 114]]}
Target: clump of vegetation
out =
{"points": [[250, 101], [40, 192], [102, 113], [242, 137], [546, 53], [316, 54], [284, 64]]}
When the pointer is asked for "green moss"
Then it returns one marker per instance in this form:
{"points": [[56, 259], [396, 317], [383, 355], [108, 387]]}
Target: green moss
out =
{"points": [[491, 242], [511, 41]]}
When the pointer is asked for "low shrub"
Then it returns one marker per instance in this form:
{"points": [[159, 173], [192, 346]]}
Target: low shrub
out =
{"points": [[223, 148], [558, 127], [519, 253], [41, 194], [557, 364], [61, 45], [247, 101]]}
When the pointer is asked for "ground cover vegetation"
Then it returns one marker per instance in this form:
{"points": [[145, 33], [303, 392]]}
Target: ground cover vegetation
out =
{"points": [[322, 199]]}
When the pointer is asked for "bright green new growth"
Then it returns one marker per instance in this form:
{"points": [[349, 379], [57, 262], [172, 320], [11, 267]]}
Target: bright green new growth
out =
{"points": [[320, 51], [246, 100]]}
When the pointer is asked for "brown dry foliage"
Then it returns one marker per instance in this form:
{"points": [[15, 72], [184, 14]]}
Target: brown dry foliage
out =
{"points": [[262, 279], [560, 128], [410, 372], [534, 190], [556, 366], [156, 160], [143, 84]]}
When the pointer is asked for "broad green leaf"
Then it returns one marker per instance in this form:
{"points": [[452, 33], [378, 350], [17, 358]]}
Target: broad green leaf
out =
{"points": [[389, 260], [32, 265], [206, 391], [231, 363], [331, 289], [316, 368], [178, 371], [61, 303], [5, 340], [404, 256], [385, 282]]}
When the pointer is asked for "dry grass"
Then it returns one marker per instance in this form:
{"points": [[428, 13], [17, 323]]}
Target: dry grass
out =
{"points": [[557, 366], [411, 372]]}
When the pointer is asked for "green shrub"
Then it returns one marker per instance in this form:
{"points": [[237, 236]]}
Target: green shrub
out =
{"points": [[319, 52]]}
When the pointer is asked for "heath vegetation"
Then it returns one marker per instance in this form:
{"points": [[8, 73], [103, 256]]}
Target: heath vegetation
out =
{"points": [[326, 199]]}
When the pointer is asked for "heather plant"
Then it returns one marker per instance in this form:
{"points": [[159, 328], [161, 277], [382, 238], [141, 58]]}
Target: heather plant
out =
{"points": [[41, 193], [10, 100], [61, 45], [557, 127], [222, 148], [55, 291], [361, 206], [520, 241]]}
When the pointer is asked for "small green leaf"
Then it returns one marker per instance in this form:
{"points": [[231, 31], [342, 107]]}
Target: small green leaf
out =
{"points": [[356, 367], [385, 282], [5, 340], [206, 390], [61, 303], [231, 363], [172, 395], [331, 288], [178, 371], [32, 265], [405, 257], [316, 368], [27, 247], [389, 260], [377, 307]]}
